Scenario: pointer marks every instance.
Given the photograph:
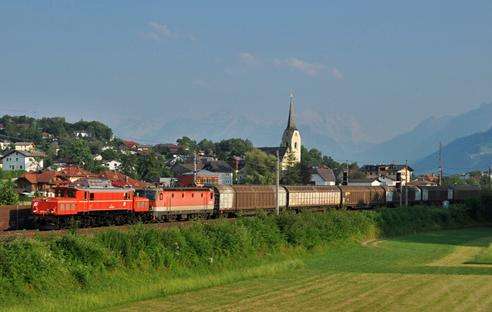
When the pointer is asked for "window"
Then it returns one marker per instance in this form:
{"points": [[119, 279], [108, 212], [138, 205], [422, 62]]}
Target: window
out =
{"points": [[172, 195], [161, 196], [92, 196], [20, 167], [192, 195], [211, 195], [182, 195], [202, 195], [295, 145]]}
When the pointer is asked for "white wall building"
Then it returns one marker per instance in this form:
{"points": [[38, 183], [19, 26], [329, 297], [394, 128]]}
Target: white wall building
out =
{"points": [[24, 146], [22, 160], [4, 145], [112, 165]]}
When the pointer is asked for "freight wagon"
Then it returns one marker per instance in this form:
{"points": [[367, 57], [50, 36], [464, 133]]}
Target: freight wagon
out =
{"points": [[299, 197], [362, 197]]}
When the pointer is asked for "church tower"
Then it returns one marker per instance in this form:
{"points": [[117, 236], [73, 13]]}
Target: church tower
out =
{"points": [[291, 138]]}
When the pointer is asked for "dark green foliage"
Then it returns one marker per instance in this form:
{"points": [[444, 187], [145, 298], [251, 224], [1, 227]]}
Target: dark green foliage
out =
{"points": [[8, 194]]}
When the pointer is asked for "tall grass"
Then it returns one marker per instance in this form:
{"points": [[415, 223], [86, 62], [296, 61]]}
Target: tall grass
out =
{"points": [[51, 268]]}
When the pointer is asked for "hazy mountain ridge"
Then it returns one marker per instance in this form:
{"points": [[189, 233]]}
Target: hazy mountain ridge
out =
{"points": [[473, 152], [425, 137], [337, 135]]}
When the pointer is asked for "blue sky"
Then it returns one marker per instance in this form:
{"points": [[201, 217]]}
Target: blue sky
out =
{"points": [[390, 64]]}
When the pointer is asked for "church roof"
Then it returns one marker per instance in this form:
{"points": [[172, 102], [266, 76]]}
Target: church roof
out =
{"points": [[273, 151], [291, 124]]}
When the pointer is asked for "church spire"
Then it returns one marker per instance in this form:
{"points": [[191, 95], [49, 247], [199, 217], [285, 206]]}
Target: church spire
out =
{"points": [[292, 115]]}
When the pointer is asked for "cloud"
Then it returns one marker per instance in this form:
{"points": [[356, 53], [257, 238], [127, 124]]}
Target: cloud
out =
{"points": [[159, 31], [310, 69], [248, 58], [336, 73]]}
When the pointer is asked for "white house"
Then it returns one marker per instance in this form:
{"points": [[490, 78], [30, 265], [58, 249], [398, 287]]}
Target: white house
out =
{"points": [[81, 134], [322, 176], [112, 165], [4, 145], [98, 157], [24, 146], [22, 160]]}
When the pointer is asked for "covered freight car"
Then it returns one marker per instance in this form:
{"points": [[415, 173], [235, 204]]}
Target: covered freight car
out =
{"points": [[410, 194], [313, 196], [248, 199], [434, 194], [460, 193], [355, 197]]}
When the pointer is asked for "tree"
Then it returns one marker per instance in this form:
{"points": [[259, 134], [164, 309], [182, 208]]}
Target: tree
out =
{"points": [[8, 194], [186, 145], [260, 168], [207, 146], [149, 167], [292, 174], [77, 152], [226, 149]]}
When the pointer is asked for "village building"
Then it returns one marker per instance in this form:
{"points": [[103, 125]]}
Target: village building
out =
{"points": [[322, 176], [289, 151], [22, 160], [112, 165], [24, 146], [388, 170], [4, 145], [42, 184], [364, 182]]}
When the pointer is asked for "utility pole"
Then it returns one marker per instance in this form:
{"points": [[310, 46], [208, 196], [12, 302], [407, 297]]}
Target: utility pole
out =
{"points": [[441, 169], [490, 181], [277, 185], [194, 168], [406, 180]]}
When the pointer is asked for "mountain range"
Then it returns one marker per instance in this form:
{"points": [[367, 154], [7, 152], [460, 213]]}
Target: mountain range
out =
{"points": [[342, 136], [473, 152]]}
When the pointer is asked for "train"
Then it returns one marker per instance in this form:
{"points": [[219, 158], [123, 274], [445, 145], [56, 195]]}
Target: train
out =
{"points": [[111, 205]]}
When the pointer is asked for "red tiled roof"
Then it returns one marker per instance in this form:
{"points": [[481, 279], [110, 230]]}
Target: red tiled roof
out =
{"points": [[75, 171], [120, 180], [47, 177]]}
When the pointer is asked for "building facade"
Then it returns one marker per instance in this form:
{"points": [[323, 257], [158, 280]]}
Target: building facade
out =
{"points": [[22, 160], [290, 147], [388, 171]]}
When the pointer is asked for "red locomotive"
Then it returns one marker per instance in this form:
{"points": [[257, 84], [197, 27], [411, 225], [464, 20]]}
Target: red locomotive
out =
{"points": [[92, 205], [171, 203]]}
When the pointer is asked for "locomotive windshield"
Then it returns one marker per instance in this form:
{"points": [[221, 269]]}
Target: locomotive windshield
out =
{"points": [[150, 194]]}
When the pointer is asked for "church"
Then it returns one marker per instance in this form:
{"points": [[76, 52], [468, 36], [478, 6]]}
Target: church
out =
{"points": [[289, 150]]}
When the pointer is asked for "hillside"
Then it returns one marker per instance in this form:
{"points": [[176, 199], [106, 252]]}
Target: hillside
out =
{"points": [[473, 152], [425, 137]]}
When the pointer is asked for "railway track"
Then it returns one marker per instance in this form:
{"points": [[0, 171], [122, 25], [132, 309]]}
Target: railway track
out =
{"points": [[94, 230]]}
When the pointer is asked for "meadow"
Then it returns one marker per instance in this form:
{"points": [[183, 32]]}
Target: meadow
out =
{"points": [[115, 269], [419, 272]]}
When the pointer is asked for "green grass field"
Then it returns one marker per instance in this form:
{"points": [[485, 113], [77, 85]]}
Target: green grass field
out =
{"points": [[431, 271]]}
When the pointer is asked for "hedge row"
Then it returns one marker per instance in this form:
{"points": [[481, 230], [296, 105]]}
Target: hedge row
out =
{"points": [[40, 266]]}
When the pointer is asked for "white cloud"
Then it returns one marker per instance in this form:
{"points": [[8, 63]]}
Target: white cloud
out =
{"points": [[248, 58], [159, 31], [311, 69], [336, 73]]}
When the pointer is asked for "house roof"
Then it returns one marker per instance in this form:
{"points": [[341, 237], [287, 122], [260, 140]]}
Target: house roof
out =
{"points": [[75, 171], [181, 168], [24, 143], [390, 167], [325, 173], [273, 151], [46, 177], [218, 166], [121, 180], [26, 153]]}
